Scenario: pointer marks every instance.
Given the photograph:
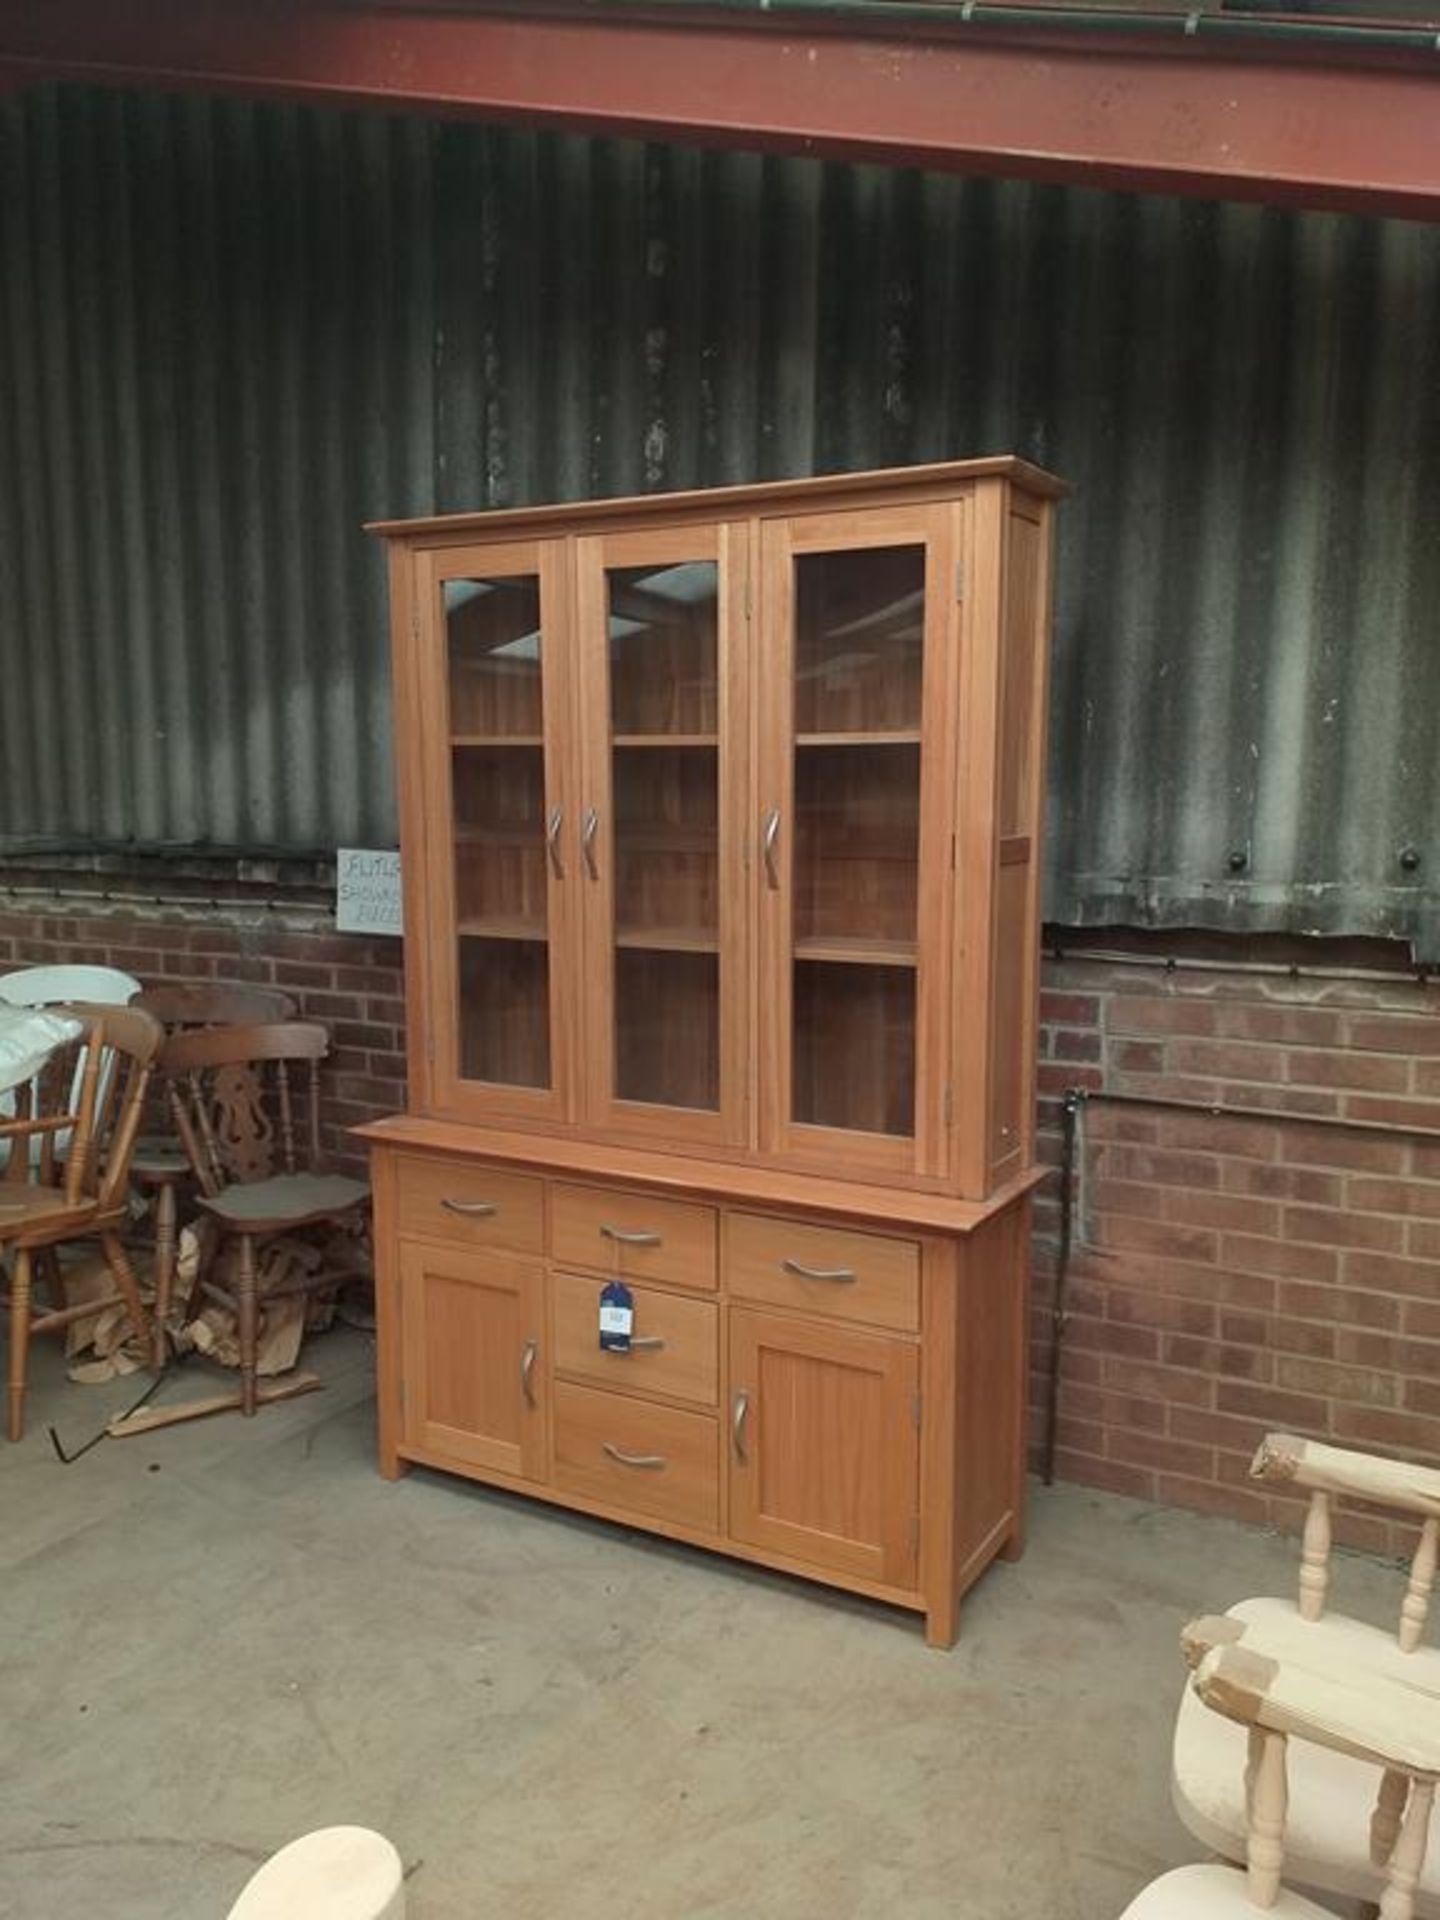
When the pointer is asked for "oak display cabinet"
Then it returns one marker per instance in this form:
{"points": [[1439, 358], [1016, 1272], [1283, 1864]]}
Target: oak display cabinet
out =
{"points": [[720, 822]]}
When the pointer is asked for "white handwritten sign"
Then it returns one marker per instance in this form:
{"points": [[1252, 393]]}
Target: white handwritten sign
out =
{"points": [[367, 891]]}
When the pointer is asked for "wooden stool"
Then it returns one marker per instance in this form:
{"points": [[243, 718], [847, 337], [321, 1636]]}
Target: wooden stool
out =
{"points": [[161, 1169], [338, 1873]]}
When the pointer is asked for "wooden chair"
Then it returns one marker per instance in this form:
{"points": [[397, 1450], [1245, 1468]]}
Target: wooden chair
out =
{"points": [[339, 1873], [1333, 1825], [160, 1166], [1277, 1710], [258, 1172], [95, 1109], [58, 986]]}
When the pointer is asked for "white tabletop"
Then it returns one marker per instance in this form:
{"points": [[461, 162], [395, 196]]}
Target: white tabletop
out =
{"points": [[28, 1036]]}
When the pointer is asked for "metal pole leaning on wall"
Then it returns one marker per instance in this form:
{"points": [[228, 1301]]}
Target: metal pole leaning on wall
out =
{"points": [[1074, 1102]]}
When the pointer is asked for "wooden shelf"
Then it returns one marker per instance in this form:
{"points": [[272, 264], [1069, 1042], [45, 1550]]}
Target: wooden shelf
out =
{"points": [[532, 837], [662, 839], [665, 740], [881, 737], [668, 939], [497, 927], [856, 952], [497, 739]]}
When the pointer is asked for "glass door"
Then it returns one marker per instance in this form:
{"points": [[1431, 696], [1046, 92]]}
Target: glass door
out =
{"points": [[663, 704], [854, 834], [499, 828]]}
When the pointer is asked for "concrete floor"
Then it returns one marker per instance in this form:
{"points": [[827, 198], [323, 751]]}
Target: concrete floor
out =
{"points": [[218, 1637]]}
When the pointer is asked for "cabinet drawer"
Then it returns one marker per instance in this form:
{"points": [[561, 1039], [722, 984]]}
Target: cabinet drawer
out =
{"points": [[630, 1453], [632, 1233], [850, 1276], [682, 1363], [471, 1204]]}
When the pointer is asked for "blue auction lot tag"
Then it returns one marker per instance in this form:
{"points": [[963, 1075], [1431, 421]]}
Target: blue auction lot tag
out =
{"points": [[617, 1317]]}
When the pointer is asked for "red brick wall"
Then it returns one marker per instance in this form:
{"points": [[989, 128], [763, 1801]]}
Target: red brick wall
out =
{"points": [[352, 984], [1230, 1276], [1227, 1276]]}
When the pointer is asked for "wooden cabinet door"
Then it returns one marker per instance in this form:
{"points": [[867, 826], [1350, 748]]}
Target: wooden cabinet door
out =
{"points": [[498, 954], [824, 1445], [858, 690], [662, 656], [475, 1378]]}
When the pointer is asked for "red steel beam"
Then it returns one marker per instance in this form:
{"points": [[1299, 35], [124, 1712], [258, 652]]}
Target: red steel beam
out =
{"points": [[1181, 116]]}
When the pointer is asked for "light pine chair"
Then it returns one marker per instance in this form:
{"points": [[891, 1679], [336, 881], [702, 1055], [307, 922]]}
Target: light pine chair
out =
{"points": [[160, 1166], [339, 1873], [1335, 1823], [93, 1106], [1277, 1711], [245, 1102]]}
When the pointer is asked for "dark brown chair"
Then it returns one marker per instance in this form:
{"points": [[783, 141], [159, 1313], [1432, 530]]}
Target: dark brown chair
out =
{"points": [[160, 1166], [89, 1098], [237, 1095]]}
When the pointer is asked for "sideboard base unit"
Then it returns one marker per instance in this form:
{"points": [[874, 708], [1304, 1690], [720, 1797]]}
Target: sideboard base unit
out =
{"points": [[829, 1396]]}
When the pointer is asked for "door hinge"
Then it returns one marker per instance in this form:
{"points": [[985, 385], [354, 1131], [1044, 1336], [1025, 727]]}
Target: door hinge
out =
{"points": [[915, 1533], [747, 599], [401, 1395], [949, 1104], [959, 579], [915, 1410]]}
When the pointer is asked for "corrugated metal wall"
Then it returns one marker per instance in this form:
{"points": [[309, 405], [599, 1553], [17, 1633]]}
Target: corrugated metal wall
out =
{"points": [[232, 331]]}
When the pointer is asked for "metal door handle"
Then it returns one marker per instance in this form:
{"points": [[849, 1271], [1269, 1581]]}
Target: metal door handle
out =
{"points": [[768, 843], [841, 1274], [630, 1237], [472, 1209], [633, 1459], [737, 1426], [527, 1372], [552, 841], [589, 827], [642, 1343]]}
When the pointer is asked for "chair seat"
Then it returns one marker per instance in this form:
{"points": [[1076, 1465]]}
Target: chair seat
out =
{"points": [[22, 1207], [1213, 1893], [286, 1200], [1327, 1834], [154, 1160], [339, 1873]]}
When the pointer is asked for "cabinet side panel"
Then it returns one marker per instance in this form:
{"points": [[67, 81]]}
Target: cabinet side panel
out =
{"points": [[410, 751], [388, 1355], [1019, 781], [992, 1308]]}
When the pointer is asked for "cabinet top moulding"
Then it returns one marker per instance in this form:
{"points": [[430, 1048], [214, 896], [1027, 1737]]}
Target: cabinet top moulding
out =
{"points": [[936, 481]]}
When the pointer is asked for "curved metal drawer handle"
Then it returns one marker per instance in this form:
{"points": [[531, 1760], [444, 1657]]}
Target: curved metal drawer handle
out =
{"points": [[589, 827], [737, 1426], [633, 1459], [768, 840], [843, 1275], [630, 1236], [552, 841], [527, 1372], [472, 1209]]}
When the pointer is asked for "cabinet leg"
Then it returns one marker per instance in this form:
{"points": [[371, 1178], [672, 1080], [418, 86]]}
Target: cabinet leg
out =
{"points": [[391, 1466], [942, 1625]]}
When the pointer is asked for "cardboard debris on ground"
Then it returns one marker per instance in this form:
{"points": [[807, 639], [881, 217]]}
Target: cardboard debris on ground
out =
{"points": [[100, 1347]]}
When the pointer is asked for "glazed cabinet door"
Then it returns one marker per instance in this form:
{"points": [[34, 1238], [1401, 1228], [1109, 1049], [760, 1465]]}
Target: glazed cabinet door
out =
{"points": [[660, 620], [824, 1445], [470, 1330], [497, 834], [855, 837]]}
